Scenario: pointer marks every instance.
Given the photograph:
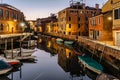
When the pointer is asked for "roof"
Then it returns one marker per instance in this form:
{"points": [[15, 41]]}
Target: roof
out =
{"points": [[107, 6], [9, 6]]}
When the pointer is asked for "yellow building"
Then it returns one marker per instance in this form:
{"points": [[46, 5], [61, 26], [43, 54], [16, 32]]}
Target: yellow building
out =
{"points": [[32, 24], [52, 27], [11, 19], [116, 22], [74, 19]]}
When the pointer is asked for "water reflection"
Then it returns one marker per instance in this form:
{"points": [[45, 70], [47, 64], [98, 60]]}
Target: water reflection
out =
{"points": [[54, 62]]}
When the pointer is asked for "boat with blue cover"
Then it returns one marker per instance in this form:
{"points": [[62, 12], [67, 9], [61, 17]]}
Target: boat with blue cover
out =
{"points": [[4, 67], [90, 64]]}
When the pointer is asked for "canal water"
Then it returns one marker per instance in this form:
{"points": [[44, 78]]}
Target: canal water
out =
{"points": [[54, 61]]}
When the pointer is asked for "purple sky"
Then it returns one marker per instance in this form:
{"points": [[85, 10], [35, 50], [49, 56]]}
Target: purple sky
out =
{"points": [[34, 9]]}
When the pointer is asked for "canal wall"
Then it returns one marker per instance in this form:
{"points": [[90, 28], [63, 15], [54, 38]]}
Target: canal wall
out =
{"points": [[94, 46], [100, 48], [103, 52]]}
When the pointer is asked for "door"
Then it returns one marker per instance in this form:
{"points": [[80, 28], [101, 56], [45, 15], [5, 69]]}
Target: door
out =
{"points": [[118, 38]]}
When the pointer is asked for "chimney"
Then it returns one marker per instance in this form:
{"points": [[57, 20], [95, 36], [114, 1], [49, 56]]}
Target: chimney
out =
{"points": [[83, 5], [97, 6]]}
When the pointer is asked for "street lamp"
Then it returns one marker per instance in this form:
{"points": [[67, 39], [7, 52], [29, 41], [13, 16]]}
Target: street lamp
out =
{"points": [[109, 18], [22, 24]]}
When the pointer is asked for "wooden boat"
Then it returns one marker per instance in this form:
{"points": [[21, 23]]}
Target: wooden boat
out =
{"points": [[59, 40], [76, 48], [90, 64], [12, 62], [26, 58], [24, 52], [68, 42], [4, 67], [105, 76]]}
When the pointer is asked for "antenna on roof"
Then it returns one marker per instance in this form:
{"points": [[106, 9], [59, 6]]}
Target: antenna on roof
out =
{"points": [[71, 2], [82, 1]]}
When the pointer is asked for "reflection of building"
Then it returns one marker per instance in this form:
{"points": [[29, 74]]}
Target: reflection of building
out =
{"points": [[68, 60], [10, 19], [32, 24], [74, 19], [116, 22]]}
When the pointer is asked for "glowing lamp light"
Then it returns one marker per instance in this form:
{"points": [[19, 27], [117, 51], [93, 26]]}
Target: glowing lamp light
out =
{"points": [[22, 24], [109, 18]]}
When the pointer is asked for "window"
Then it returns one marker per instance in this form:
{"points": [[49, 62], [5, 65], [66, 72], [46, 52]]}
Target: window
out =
{"points": [[78, 18], [1, 13], [99, 20], [116, 14], [98, 33], [7, 14], [16, 16], [86, 18], [12, 15], [21, 18], [69, 33], [69, 18], [1, 27], [78, 25], [69, 25], [79, 33], [7, 27]]}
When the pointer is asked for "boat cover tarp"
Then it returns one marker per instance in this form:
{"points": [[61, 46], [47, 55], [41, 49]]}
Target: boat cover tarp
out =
{"points": [[91, 62], [4, 65]]}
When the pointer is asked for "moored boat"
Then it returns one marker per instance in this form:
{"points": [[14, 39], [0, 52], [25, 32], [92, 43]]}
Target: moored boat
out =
{"points": [[76, 48], [4, 67], [68, 42], [59, 40], [12, 62], [90, 64], [24, 52], [26, 58]]}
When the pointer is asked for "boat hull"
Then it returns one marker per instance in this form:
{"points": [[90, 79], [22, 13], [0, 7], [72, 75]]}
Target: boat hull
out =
{"points": [[90, 64]]}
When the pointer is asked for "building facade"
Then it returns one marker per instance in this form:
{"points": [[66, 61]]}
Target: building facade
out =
{"points": [[74, 19], [47, 24], [116, 22], [11, 19], [96, 27], [32, 24], [100, 27]]}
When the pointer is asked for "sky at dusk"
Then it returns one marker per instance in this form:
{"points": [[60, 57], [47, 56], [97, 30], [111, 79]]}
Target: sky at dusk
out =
{"points": [[34, 9]]}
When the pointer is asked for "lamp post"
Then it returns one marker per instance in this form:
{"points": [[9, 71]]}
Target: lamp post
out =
{"points": [[22, 25]]}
